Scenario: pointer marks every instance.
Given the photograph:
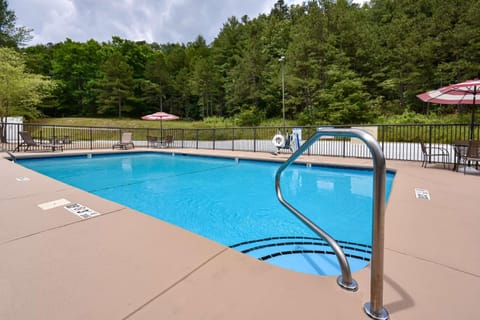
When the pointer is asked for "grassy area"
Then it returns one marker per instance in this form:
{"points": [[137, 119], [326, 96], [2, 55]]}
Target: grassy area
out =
{"points": [[114, 122], [213, 122], [217, 122]]}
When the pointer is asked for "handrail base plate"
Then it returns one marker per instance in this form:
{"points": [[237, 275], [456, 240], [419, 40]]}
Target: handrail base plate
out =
{"points": [[352, 286], [368, 310]]}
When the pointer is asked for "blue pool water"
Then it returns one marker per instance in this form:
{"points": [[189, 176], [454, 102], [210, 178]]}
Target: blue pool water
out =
{"points": [[234, 203]]}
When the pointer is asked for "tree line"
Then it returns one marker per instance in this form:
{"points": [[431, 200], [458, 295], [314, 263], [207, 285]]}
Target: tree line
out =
{"points": [[343, 64]]}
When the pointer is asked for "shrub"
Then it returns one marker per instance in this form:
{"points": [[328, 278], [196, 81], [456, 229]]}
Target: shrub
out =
{"points": [[250, 117]]}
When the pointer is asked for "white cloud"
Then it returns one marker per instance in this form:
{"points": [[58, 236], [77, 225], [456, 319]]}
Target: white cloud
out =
{"points": [[158, 21]]}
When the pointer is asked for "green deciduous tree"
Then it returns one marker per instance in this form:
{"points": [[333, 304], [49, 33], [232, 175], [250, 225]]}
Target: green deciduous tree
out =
{"points": [[11, 35], [20, 92], [76, 66]]}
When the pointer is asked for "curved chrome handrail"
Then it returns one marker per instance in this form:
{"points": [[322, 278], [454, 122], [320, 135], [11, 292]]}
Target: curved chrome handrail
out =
{"points": [[374, 308], [14, 159]]}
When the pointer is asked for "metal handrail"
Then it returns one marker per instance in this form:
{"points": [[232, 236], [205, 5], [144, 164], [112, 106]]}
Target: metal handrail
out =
{"points": [[14, 159], [12, 156], [374, 308]]}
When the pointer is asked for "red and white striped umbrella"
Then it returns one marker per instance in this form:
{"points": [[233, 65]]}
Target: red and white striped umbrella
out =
{"points": [[160, 116], [460, 93]]}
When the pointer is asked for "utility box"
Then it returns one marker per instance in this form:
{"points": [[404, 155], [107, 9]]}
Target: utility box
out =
{"points": [[13, 126]]}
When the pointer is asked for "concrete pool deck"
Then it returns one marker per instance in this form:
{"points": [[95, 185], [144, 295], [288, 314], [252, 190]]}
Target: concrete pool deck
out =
{"points": [[124, 264]]}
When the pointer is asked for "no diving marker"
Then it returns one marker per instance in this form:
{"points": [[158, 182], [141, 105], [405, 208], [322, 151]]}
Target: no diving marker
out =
{"points": [[422, 194], [81, 210]]}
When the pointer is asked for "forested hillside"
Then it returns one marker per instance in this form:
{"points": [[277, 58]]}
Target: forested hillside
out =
{"points": [[343, 64]]}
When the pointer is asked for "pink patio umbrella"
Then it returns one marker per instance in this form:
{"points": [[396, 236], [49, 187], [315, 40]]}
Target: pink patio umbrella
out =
{"points": [[162, 116], [460, 93]]}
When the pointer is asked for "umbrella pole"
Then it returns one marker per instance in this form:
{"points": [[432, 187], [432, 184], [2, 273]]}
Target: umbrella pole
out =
{"points": [[161, 119], [472, 121]]}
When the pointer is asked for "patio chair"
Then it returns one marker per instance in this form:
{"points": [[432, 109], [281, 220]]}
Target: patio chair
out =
{"points": [[433, 151], [125, 142], [166, 142], [473, 154], [67, 140], [152, 141], [29, 142], [460, 148]]}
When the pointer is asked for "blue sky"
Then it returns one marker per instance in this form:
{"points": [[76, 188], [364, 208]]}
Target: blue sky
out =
{"points": [[160, 21]]}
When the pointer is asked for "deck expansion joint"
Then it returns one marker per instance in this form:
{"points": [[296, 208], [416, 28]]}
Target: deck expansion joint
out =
{"points": [[173, 285]]}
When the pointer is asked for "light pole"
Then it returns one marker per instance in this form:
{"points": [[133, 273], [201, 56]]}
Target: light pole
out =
{"points": [[282, 60], [161, 119]]}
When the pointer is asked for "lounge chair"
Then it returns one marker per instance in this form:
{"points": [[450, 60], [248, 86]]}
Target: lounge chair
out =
{"points": [[473, 154], [29, 142], [433, 151], [125, 142]]}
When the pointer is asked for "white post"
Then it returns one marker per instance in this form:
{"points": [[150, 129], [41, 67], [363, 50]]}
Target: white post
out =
{"points": [[282, 60]]}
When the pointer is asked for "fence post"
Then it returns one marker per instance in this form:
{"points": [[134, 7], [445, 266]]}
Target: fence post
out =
{"points": [[430, 129], [254, 139], [233, 139], [383, 137], [213, 137], [91, 137], [54, 136], [196, 134], [183, 138]]}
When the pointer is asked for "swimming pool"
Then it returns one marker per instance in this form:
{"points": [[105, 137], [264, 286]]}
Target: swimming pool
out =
{"points": [[233, 201]]}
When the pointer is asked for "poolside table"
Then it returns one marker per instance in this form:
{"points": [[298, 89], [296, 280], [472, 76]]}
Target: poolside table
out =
{"points": [[460, 147], [60, 140]]}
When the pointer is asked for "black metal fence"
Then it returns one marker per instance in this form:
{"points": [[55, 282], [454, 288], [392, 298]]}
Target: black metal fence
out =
{"points": [[399, 142]]}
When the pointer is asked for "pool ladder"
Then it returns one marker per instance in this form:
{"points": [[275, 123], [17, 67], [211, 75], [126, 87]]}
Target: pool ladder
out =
{"points": [[374, 309], [12, 156]]}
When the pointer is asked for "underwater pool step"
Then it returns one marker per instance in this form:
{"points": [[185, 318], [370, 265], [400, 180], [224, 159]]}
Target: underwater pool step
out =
{"points": [[315, 253], [298, 243]]}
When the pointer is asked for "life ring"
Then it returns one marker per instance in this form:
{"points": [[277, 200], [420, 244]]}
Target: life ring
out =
{"points": [[278, 141]]}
